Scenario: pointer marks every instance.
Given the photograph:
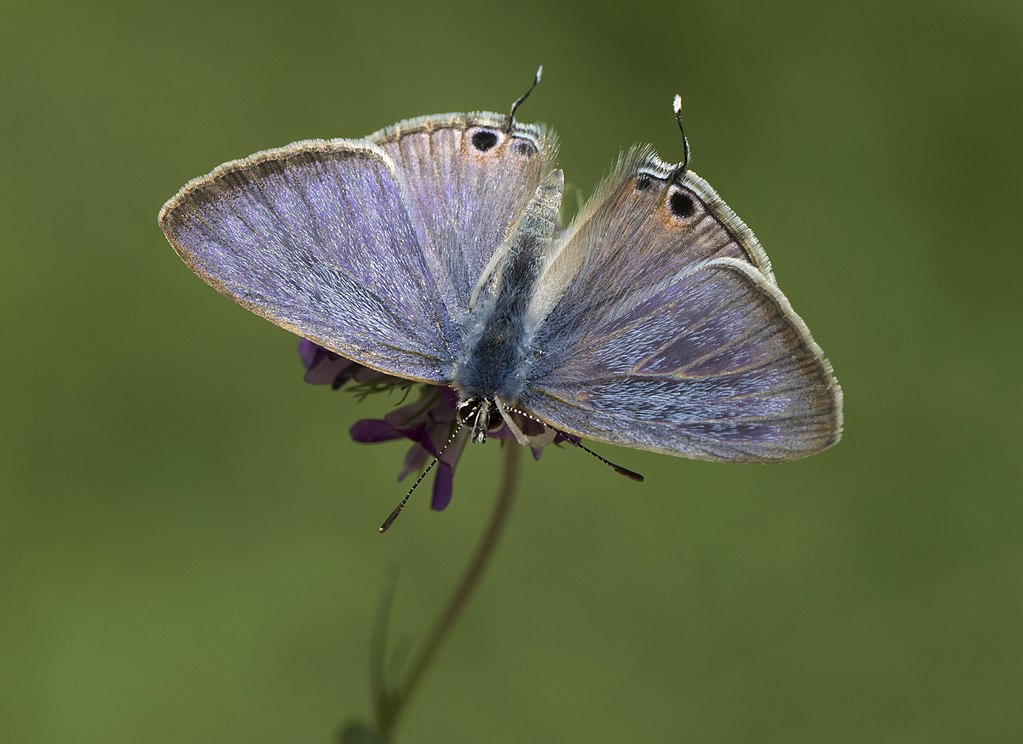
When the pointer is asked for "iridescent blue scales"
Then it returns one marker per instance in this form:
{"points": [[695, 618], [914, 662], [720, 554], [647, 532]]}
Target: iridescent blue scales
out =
{"points": [[428, 251]]}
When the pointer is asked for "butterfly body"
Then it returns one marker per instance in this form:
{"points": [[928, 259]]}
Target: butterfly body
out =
{"points": [[496, 350], [428, 251]]}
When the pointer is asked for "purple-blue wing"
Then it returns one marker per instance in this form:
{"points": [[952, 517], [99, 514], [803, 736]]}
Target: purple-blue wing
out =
{"points": [[645, 223], [317, 237], [710, 364], [470, 177]]}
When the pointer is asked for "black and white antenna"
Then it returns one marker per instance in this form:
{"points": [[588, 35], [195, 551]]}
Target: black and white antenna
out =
{"points": [[630, 474], [401, 505], [571, 439]]}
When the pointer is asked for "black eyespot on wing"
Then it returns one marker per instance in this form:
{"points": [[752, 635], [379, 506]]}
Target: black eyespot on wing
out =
{"points": [[642, 183], [524, 148], [484, 140], [681, 204]]}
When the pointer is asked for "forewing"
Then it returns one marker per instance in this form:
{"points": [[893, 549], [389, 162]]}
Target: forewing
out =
{"points": [[644, 224], [317, 238], [711, 364], [470, 177]]}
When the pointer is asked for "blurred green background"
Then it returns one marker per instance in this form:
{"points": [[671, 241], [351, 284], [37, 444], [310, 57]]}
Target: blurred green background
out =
{"points": [[188, 546]]}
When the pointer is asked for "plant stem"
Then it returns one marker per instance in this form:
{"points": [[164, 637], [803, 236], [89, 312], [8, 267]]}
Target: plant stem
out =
{"points": [[463, 592]]}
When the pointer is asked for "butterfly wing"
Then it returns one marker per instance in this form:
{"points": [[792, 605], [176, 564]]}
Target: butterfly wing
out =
{"points": [[318, 238], [662, 328], [470, 178], [641, 226]]}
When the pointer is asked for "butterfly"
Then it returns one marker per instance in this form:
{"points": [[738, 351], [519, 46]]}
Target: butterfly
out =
{"points": [[430, 251]]}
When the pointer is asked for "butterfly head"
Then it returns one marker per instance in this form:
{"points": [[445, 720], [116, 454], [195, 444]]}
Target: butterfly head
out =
{"points": [[480, 414]]}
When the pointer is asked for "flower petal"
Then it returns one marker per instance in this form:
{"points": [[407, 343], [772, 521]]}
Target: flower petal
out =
{"points": [[371, 431], [415, 460], [408, 416], [443, 484], [309, 352]]}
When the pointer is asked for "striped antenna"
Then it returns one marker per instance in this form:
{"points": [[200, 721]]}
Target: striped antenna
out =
{"points": [[630, 474], [401, 505]]}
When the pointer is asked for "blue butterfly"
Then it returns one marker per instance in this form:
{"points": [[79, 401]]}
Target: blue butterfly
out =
{"points": [[430, 251]]}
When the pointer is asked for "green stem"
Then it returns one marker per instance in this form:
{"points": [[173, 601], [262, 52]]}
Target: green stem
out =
{"points": [[460, 598]]}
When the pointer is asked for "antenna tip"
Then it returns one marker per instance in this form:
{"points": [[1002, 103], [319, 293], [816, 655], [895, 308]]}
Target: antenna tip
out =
{"points": [[676, 105], [539, 73], [630, 474]]}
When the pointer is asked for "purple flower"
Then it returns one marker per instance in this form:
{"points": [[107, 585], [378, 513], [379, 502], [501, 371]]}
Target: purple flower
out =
{"points": [[429, 421], [323, 367]]}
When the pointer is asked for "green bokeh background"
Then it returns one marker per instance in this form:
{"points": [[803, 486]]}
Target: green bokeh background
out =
{"points": [[188, 546]]}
